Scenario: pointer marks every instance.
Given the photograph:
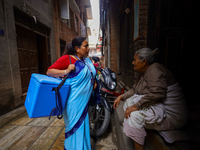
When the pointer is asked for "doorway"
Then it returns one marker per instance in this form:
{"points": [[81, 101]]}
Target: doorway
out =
{"points": [[33, 54], [62, 46], [33, 47], [28, 55], [171, 28]]}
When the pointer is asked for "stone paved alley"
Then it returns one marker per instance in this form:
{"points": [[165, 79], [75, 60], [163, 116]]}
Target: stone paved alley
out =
{"points": [[19, 132]]}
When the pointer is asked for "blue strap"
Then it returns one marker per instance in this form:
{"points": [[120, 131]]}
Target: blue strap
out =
{"points": [[56, 89], [85, 62]]}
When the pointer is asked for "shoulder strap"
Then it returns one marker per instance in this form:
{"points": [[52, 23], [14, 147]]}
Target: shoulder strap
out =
{"points": [[56, 89], [64, 79], [70, 59]]}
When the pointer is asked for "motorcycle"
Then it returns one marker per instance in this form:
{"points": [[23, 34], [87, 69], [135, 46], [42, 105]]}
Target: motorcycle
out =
{"points": [[99, 115]]}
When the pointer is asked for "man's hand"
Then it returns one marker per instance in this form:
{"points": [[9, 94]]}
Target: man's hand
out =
{"points": [[129, 110]]}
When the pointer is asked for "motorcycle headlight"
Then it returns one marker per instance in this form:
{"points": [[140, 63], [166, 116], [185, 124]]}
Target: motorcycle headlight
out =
{"points": [[112, 85]]}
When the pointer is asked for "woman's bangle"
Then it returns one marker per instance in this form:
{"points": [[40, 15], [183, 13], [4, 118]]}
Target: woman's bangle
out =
{"points": [[65, 72]]}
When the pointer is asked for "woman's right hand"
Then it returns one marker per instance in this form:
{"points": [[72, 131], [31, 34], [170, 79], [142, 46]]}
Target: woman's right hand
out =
{"points": [[116, 102], [70, 68]]}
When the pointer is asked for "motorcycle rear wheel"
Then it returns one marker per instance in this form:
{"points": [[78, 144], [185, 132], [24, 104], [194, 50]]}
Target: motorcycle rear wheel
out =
{"points": [[99, 120]]}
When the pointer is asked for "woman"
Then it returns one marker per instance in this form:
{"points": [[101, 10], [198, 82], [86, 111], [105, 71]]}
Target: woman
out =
{"points": [[95, 61], [155, 101], [81, 79]]}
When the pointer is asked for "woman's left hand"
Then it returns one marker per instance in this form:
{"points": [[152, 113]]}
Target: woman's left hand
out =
{"points": [[129, 110], [95, 85]]}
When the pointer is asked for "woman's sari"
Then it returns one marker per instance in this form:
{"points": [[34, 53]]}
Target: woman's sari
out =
{"points": [[77, 131]]}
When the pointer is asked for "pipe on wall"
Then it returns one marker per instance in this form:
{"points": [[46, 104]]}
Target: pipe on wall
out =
{"points": [[108, 30]]}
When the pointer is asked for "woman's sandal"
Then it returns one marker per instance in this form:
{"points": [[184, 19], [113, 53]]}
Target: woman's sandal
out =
{"points": [[122, 124]]}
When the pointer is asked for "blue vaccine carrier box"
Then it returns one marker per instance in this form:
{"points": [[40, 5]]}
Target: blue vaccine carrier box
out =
{"points": [[40, 99]]}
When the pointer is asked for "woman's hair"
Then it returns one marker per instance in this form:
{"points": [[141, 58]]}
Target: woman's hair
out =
{"points": [[70, 47], [77, 41], [148, 54], [69, 50], [96, 59]]}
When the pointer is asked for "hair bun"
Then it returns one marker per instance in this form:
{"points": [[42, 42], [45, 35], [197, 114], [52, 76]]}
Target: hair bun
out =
{"points": [[155, 51]]}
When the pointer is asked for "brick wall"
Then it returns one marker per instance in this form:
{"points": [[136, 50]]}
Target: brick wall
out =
{"points": [[117, 9], [141, 42], [62, 31]]}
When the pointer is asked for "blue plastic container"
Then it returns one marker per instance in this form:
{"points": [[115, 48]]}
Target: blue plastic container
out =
{"points": [[40, 99]]}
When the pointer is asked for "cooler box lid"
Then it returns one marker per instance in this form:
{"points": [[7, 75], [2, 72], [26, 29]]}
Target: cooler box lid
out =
{"points": [[44, 79]]}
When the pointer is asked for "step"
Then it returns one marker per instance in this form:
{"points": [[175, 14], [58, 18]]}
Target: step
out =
{"points": [[153, 140], [4, 119]]}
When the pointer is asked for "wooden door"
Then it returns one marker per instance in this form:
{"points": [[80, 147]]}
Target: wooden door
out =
{"points": [[126, 44], [123, 48], [154, 17], [43, 59], [172, 28], [28, 55]]}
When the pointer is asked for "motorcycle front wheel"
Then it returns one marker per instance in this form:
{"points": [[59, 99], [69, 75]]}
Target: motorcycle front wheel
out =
{"points": [[99, 118]]}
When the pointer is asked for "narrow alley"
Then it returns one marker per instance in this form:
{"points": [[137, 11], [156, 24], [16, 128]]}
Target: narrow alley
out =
{"points": [[19, 132], [148, 49]]}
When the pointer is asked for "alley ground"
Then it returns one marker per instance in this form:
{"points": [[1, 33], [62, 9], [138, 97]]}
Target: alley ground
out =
{"points": [[24, 133]]}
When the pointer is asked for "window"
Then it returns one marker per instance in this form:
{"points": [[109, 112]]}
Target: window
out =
{"points": [[76, 24], [65, 12], [82, 30], [67, 21]]}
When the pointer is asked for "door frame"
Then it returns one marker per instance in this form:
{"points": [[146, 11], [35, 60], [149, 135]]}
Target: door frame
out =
{"points": [[42, 38]]}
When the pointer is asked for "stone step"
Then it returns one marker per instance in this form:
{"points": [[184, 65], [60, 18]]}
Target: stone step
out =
{"points": [[153, 140]]}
